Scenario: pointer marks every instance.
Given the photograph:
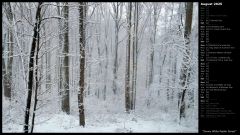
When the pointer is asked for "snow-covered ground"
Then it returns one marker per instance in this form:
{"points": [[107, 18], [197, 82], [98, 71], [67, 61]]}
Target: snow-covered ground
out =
{"points": [[106, 123], [107, 118]]}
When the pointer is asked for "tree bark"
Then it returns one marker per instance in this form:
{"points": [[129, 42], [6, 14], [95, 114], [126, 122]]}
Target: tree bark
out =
{"points": [[185, 66], [153, 41], [127, 76], [59, 62], [115, 65], [135, 56], [65, 66], [8, 68], [36, 85], [31, 68], [82, 17]]}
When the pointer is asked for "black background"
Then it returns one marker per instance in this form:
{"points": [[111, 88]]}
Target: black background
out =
{"points": [[227, 72]]}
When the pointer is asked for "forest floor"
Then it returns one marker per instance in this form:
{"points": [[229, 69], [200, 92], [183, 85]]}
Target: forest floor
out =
{"points": [[103, 116], [102, 123]]}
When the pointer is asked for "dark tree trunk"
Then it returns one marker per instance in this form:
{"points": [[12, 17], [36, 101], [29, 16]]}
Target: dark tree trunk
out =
{"points": [[36, 85], [127, 76], [82, 17], [7, 78], [115, 65], [65, 66], [135, 56], [31, 67], [185, 67]]}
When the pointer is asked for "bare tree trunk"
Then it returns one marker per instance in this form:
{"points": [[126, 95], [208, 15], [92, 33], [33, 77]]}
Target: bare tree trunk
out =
{"points": [[169, 74], [174, 72], [161, 69], [31, 67], [153, 41], [36, 84], [59, 62], [127, 76], [106, 64], [65, 67], [82, 26], [8, 68], [48, 65], [131, 61], [98, 29], [117, 9], [135, 56], [185, 66], [3, 69], [115, 66]]}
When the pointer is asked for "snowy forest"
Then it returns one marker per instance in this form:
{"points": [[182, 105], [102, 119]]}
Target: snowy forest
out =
{"points": [[99, 67]]}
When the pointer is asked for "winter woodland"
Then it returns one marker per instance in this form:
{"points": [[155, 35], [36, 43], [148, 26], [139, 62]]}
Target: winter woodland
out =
{"points": [[99, 67]]}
